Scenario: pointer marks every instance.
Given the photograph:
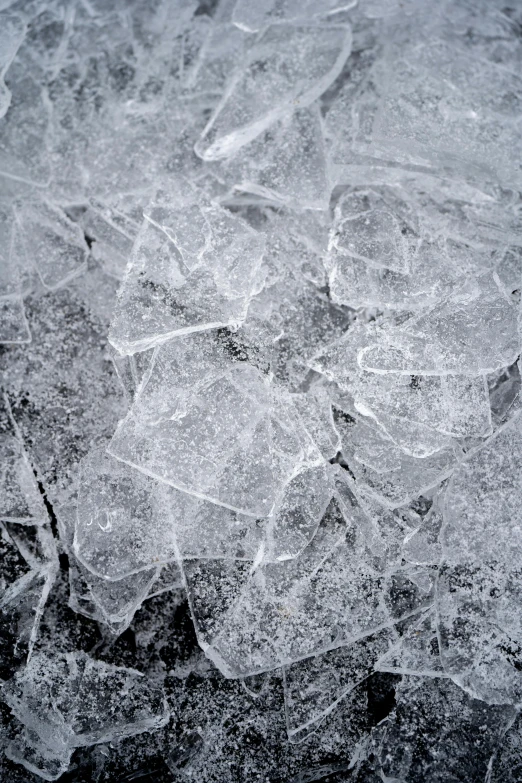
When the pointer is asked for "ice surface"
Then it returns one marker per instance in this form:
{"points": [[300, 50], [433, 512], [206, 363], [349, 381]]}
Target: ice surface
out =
{"points": [[260, 409]]}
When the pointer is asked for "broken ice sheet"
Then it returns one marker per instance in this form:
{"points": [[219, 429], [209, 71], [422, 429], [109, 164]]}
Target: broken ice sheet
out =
{"points": [[472, 123], [123, 518], [112, 236], [53, 244], [288, 65], [287, 163], [472, 332], [20, 500], [24, 129], [69, 701], [253, 17], [24, 589], [411, 410], [221, 52], [385, 470], [314, 686], [378, 228], [438, 733], [481, 502], [253, 620], [214, 426], [416, 651], [192, 268], [480, 586], [27, 749]]}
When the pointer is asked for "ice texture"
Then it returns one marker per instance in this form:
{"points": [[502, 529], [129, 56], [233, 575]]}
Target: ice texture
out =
{"points": [[260, 391]]}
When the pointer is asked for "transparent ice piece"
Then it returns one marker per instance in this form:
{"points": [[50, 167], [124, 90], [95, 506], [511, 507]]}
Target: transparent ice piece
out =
{"points": [[69, 701], [386, 471], [287, 66], [20, 500], [287, 163], [471, 124], [123, 519], [479, 588], [253, 620], [417, 650], [13, 322], [52, 243], [192, 268], [480, 505], [314, 686], [213, 427], [471, 333], [112, 236], [376, 228], [411, 410], [464, 752], [27, 749], [315, 410]]}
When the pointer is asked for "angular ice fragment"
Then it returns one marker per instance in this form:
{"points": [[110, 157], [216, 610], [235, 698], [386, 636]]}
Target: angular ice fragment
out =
{"points": [[419, 413], [123, 519], [286, 163], [20, 500], [53, 243], [288, 66], [112, 236], [375, 227], [314, 686], [388, 473], [471, 125], [24, 588], [37, 757], [253, 620], [192, 268], [471, 333], [24, 154], [416, 651], [13, 322], [480, 586], [315, 410], [417, 743], [72, 701], [214, 427]]}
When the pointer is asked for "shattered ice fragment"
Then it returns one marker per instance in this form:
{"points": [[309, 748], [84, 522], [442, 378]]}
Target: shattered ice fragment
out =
{"points": [[314, 686], [20, 500], [192, 268], [53, 244], [388, 473], [287, 163], [288, 66], [123, 519], [213, 427], [71, 700], [416, 651], [471, 333]]}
